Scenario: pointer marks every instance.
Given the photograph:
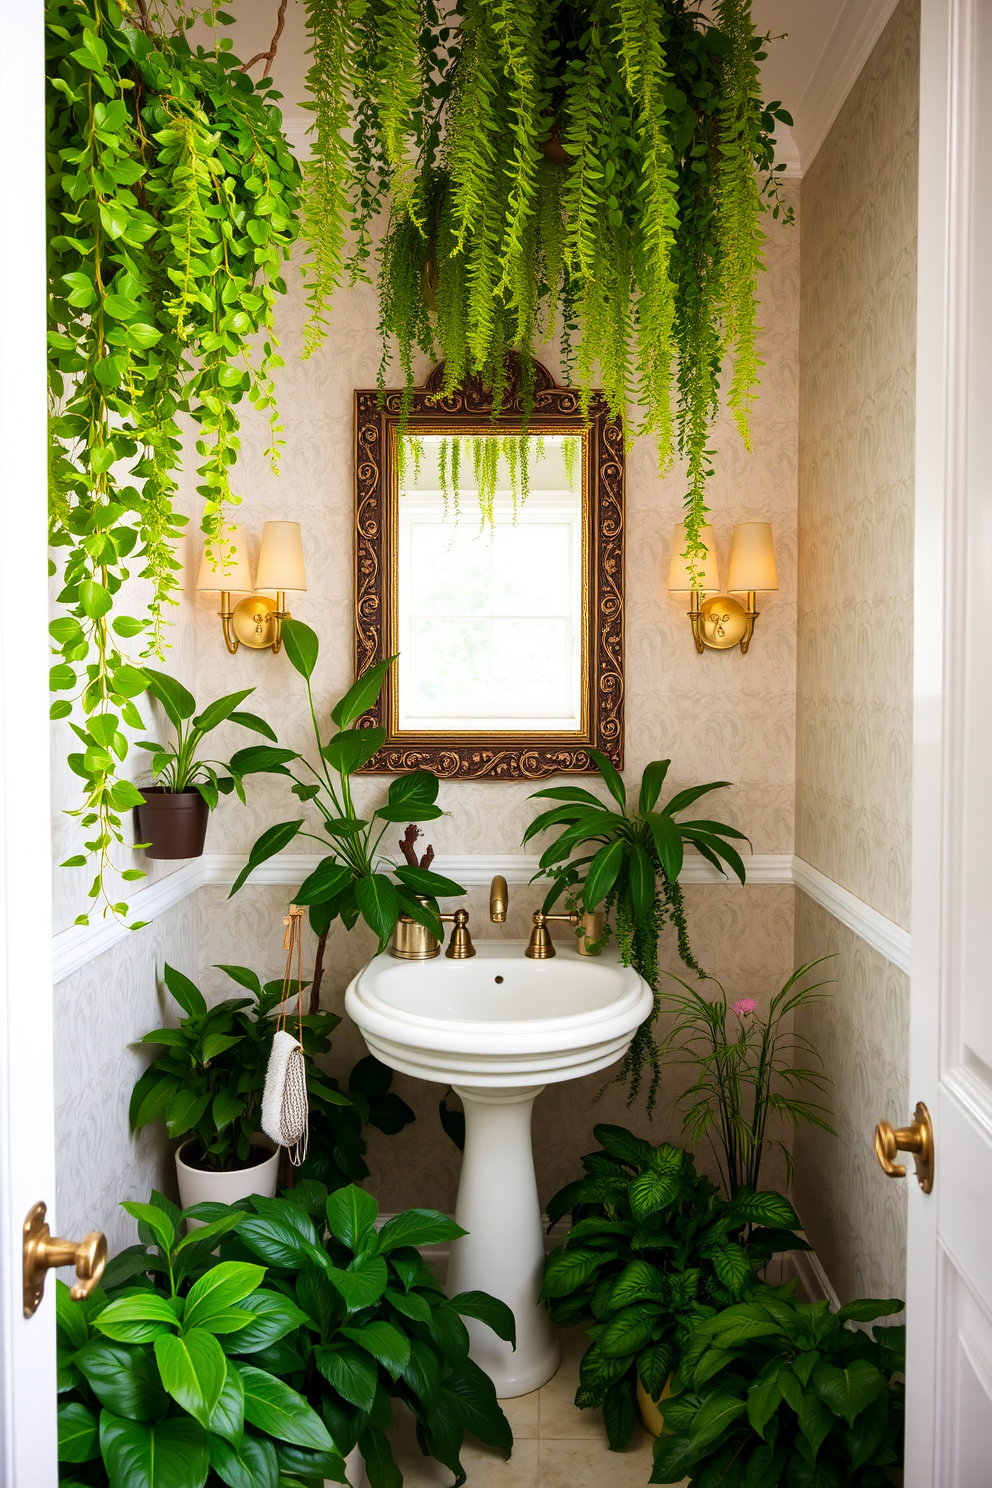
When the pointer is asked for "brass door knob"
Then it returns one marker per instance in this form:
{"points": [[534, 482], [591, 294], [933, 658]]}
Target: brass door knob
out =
{"points": [[43, 1251], [917, 1139]]}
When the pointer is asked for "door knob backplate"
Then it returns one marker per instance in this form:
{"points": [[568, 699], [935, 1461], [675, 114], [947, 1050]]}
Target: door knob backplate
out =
{"points": [[43, 1251]]}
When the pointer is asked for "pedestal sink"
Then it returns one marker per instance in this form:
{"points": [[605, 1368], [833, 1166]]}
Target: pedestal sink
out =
{"points": [[498, 1028]]}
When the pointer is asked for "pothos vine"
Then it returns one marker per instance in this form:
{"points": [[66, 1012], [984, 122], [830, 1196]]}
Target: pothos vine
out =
{"points": [[173, 203]]}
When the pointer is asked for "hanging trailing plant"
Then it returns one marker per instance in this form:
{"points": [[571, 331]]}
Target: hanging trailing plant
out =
{"points": [[598, 166], [173, 203]]}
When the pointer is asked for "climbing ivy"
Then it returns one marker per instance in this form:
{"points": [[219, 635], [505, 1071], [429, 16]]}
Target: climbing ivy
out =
{"points": [[595, 168], [173, 202]]}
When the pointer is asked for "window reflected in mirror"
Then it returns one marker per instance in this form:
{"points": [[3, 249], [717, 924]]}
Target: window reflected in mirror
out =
{"points": [[490, 600]]}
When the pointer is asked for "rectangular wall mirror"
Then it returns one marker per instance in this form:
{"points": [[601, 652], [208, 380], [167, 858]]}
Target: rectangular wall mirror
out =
{"points": [[491, 562]]}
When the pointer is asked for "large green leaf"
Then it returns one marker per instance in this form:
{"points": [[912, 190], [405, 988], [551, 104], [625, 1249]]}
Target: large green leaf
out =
{"points": [[276, 1408], [276, 1240], [136, 1319], [473, 1399], [653, 1191], [79, 1433], [380, 1465], [327, 880], [351, 1371], [630, 1330], [125, 1379], [155, 1218], [188, 996], [815, 1420], [408, 811], [849, 1390], [378, 903], [602, 874], [417, 1227], [433, 885], [866, 1309], [227, 1419], [623, 1145], [567, 1270], [302, 646], [668, 844], [609, 773], [685, 798], [489, 1310], [362, 1284], [422, 913], [763, 1400], [219, 1289], [639, 1281], [651, 782], [262, 759], [252, 1463], [215, 713], [349, 750], [176, 701], [419, 786], [193, 1370], [733, 1267], [360, 697], [384, 1342], [766, 1208], [273, 840], [642, 881], [272, 1317], [166, 1454], [351, 1215]]}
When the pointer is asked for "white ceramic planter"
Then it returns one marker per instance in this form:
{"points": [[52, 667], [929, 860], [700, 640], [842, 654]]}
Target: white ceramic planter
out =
{"points": [[199, 1187]]}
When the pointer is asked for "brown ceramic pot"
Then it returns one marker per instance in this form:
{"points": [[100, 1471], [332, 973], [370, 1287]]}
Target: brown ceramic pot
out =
{"points": [[173, 823]]}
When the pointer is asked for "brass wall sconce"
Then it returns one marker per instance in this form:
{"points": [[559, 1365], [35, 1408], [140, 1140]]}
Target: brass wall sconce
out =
{"points": [[720, 621], [256, 620]]}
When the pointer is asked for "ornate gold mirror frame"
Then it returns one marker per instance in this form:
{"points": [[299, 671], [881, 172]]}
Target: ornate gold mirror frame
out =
{"points": [[493, 755]]}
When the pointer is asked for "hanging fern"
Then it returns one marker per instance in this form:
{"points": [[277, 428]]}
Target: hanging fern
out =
{"points": [[596, 167], [172, 207]]}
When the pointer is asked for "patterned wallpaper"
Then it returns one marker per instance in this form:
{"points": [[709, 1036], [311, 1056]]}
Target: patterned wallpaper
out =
{"points": [[100, 1012], [854, 1215], [854, 676], [857, 392], [718, 717]]}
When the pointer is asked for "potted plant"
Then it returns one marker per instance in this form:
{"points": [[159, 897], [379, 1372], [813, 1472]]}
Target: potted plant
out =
{"points": [[354, 880], [773, 1390], [653, 1248], [377, 1323], [172, 819], [165, 1372], [745, 1072], [630, 864], [207, 1087]]}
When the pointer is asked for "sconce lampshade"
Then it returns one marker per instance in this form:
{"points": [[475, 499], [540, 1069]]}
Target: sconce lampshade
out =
{"points": [[752, 558], [280, 558], [679, 577], [224, 564]]}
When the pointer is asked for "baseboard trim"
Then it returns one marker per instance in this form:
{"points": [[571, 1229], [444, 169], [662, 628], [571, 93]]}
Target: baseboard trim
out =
{"points": [[76, 947]]}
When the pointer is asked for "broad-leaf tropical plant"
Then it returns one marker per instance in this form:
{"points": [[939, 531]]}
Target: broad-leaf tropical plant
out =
{"points": [[354, 879], [654, 1247], [180, 766], [628, 861], [164, 1374], [745, 1072], [209, 1078], [775, 1391], [377, 1323]]}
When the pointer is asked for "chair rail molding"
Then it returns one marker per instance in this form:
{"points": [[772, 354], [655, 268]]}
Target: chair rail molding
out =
{"points": [[79, 945]]}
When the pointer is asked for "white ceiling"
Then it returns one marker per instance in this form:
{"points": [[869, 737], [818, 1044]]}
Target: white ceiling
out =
{"points": [[812, 70], [827, 42]]}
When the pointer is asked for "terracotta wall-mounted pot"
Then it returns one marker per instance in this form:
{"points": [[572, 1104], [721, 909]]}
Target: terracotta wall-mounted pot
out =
{"points": [[173, 823]]}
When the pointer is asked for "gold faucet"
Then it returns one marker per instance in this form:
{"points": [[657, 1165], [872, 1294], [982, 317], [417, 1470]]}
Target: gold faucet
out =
{"points": [[541, 947], [412, 941], [499, 900]]}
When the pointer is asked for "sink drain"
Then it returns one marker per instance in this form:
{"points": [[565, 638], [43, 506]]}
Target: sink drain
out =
{"points": [[497, 979]]}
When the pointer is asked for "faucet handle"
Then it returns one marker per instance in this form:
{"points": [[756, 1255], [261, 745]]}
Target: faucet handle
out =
{"points": [[541, 947], [499, 900], [460, 946]]}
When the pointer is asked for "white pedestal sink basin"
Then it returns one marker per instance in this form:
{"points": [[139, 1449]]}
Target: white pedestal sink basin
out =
{"points": [[498, 1028]]}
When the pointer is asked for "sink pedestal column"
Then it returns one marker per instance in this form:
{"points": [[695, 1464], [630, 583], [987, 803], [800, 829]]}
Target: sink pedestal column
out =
{"points": [[503, 1252]]}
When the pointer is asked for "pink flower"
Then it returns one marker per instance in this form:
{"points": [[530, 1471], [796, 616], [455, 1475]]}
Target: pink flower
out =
{"points": [[744, 1007]]}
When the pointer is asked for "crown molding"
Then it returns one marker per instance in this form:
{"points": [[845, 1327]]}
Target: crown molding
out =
{"points": [[858, 27]]}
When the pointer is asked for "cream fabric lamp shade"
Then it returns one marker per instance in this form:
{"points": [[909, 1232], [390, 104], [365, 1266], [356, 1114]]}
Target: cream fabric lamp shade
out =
{"points": [[679, 578], [224, 564], [280, 558], [752, 558]]}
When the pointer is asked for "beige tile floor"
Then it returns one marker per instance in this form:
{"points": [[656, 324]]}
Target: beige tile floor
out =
{"points": [[555, 1445]]}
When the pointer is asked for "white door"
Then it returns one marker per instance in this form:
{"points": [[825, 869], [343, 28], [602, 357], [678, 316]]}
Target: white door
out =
{"points": [[949, 1295], [27, 1147]]}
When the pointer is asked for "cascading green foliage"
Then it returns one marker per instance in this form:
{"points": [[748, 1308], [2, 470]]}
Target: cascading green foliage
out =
{"points": [[498, 462], [594, 167], [173, 202]]}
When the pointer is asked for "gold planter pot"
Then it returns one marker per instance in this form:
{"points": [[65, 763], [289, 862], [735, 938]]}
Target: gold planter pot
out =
{"points": [[589, 929], [652, 1417]]}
